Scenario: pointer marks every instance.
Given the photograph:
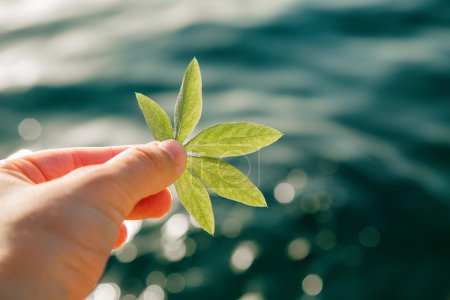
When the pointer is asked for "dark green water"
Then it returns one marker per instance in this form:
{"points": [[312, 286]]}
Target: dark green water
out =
{"points": [[361, 90]]}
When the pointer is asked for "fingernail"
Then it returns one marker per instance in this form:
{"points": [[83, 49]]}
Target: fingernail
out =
{"points": [[175, 150], [153, 143]]}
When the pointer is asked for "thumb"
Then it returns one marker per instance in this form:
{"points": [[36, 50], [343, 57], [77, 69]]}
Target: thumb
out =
{"points": [[133, 174]]}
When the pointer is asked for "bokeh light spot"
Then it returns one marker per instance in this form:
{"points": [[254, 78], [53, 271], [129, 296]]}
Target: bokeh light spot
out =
{"points": [[153, 292], [127, 253], [176, 226], [106, 291], [156, 278], [175, 283], [326, 239], [174, 250], [284, 193], [297, 178], [369, 237], [298, 249], [29, 129], [312, 284], [243, 256], [231, 227]]}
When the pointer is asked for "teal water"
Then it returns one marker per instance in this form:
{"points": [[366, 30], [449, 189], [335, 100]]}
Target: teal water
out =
{"points": [[358, 188]]}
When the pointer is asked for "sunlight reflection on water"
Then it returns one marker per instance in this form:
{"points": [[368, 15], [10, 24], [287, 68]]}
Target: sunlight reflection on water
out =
{"points": [[359, 88]]}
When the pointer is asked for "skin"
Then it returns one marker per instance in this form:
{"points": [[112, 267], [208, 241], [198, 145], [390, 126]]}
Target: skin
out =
{"points": [[62, 212]]}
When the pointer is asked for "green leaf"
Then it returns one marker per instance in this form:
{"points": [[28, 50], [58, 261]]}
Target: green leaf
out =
{"points": [[232, 139], [157, 119], [222, 140], [195, 198], [188, 108], [226, 181]]}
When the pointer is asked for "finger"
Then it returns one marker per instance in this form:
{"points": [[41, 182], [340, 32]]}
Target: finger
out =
{"points": [[121, 237], [154, 206], [130, 176], [50, 164]]}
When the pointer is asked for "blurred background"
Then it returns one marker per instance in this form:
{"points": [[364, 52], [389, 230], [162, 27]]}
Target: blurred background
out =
{"points": [[358, 188]]}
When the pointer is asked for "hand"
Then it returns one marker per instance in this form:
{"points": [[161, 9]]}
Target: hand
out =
{"points": [[61, 211]]}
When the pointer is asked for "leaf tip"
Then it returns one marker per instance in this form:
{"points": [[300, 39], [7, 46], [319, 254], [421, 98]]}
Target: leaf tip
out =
{"points": [[261, 200], [139, 96], [194, 64], [209, 229], [209, 226], [279, 133]]}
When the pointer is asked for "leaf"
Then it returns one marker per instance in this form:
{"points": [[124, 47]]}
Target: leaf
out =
{"points": [[188, 108], [157, 119], [232, 139], [227, 139], [195, 198], [226, 181]]}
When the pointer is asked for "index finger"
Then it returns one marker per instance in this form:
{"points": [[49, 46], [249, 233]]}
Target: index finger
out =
{"points": [[46, 165]]}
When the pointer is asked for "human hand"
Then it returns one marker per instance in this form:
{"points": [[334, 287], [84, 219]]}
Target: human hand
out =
{"points": [[61, 212]]}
